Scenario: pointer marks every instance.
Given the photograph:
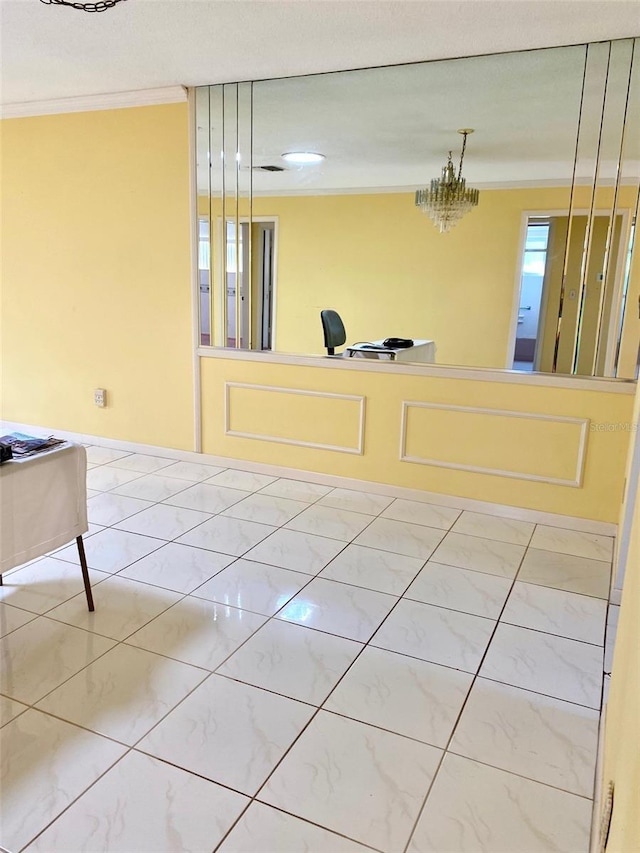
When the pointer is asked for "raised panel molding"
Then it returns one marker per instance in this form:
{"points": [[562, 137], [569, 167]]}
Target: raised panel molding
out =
{"points": [[357, 448], [580, 447]]}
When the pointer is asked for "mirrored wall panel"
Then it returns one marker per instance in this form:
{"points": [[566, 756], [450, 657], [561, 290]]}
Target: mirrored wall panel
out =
{"points": [[482, 208]]}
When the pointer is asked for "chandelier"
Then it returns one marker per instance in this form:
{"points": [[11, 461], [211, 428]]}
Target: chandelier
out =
{"points": [[447, 199], [100, 6]]}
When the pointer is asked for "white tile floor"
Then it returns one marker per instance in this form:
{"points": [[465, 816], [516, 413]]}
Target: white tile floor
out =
{"points": [[276, 666]]}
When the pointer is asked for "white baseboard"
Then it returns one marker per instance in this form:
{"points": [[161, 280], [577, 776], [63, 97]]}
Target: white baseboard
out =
{"points": [[584, 525], [615, 597]]}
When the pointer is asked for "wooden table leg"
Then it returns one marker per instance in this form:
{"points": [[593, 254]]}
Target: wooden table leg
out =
{"points": [[85, 573]]}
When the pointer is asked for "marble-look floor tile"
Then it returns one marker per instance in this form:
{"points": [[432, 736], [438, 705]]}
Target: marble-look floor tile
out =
{"points": [[46, 764], [202, 633], [589, 545], [579, 617], [104, 455], [152, 487], [107, 508], [473, 808], [262, 828], [416, 512], [103, 479], [42, 654], [297, 490], [12, 618], [399, 537], [354, 779], [373, 569], [564, 571], [227, 535], [356, 501], [143, 804], [435, 634], [293, 661], [327, 521], [229, 732], [44, 584], [163, 521], [245, 480], [266, 509], [10, 709], [338, 608], [531, 735], [408, 696], [124, 693], [555, 666], [207, 498], [253, 586], [460, 589], [480, 555], [122, 606], [141, 462], [492, 527], [177, 567], [112, 550], [193, 471], [301, 552]]}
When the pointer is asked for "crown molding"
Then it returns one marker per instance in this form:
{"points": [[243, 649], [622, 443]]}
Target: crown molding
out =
{"points": [[87, 103]]}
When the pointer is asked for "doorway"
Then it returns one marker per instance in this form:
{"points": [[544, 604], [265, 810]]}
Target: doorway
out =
{"points": [[567, 296]]}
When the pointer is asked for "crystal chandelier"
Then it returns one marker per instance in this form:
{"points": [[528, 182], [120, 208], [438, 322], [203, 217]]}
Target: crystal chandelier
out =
{"points": [[99, 6], [448, 199]]}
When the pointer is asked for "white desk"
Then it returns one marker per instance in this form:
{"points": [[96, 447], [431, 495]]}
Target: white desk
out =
{"points": [[422, 351], [43, 505]]}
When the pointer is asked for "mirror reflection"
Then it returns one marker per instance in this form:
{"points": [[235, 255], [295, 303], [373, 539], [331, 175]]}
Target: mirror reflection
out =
{"points": [[539, 275]]}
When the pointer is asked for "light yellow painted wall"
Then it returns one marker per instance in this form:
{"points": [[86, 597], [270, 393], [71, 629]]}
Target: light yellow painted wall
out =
{"points": [[96, 292], [622, 732], [386, 269], [538, 447]]}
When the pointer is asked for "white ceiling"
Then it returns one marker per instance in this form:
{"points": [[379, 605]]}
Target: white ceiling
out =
{"points": [[50, 52], [391, 127]]}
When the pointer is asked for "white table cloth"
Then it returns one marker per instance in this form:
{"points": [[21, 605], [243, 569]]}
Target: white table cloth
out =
{"points": [[43, 504]]}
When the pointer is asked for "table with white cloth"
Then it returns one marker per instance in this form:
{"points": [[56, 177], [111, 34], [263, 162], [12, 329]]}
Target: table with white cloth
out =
{"points": [[43, 506]]}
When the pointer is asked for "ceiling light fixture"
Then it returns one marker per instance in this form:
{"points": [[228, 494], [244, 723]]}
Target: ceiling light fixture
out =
{"points": [[447, 199], [100, 6], [303, 157]]}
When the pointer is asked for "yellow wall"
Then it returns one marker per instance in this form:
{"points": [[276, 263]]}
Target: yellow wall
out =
{"points": [[96, 289], [622, 733], [386, 269], [547, 448]]}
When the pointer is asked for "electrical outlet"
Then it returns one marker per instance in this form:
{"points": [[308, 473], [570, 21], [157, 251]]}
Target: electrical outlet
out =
{"points": [[100, 397]]}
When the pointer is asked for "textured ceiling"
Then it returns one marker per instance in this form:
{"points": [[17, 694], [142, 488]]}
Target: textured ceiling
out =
{"points": [[50, 52]]}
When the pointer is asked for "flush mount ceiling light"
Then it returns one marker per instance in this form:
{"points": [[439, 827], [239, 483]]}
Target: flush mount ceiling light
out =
{"points": [[100, 6], [447, 199], [303, 157]]}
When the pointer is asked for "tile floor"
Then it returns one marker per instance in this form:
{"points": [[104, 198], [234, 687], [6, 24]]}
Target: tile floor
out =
{"points": [[276, 666]]}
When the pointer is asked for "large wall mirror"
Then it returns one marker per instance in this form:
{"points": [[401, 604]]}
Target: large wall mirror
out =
{"points": [[538, 275]]}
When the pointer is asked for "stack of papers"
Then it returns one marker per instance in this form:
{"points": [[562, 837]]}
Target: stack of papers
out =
{"points": [[27, 445]]}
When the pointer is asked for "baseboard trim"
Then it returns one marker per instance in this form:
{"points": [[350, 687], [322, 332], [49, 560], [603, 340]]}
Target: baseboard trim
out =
{"points": [[584, 525]]}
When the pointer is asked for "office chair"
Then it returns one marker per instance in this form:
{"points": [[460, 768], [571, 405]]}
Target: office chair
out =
{"points": [[333, 328]]}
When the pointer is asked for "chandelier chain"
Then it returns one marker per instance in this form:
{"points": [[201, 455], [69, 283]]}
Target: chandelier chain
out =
{"points": [[464, 145], [99, 6]]}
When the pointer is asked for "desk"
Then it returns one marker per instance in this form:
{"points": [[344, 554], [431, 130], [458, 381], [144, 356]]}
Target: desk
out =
{"points": [[43, 505], [422, 351]]}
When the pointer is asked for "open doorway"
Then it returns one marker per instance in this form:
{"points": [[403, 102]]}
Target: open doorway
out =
{"points": [[569, 290], [534, 264]]}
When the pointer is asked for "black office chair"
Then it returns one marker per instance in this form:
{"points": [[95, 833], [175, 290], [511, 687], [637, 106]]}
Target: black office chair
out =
{"points": [[333, 328]]}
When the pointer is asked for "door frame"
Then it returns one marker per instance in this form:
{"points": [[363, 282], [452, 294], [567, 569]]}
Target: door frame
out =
{"points": [[221, 263], [617, 279]]}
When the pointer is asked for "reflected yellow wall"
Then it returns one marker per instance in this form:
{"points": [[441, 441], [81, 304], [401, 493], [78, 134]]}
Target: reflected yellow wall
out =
{"points": [[547, 447], [622, 732], [96, 287], [386, 269]]}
